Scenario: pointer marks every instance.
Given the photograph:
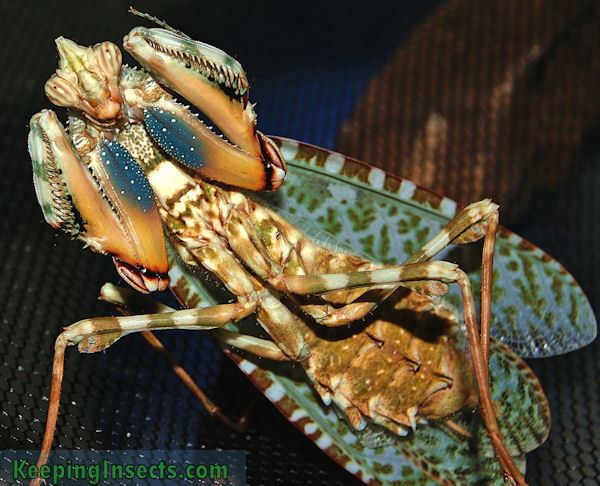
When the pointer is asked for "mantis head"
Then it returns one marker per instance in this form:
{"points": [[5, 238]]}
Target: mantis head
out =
{"points": [[88, 80]]}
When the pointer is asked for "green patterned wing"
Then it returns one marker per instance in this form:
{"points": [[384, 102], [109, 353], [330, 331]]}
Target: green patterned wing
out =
{"points": [[538, 310], [350, 205], [432, 454]]}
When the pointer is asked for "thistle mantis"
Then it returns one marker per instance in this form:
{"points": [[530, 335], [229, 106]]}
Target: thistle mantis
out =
{"points": [[122, 123]]}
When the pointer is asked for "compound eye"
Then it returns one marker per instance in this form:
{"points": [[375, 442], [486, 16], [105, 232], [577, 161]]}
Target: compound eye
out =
{"points": [[62, 93], [109, 59]]}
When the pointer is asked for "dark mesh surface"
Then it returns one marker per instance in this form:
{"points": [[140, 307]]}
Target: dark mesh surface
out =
{"points": [[309, 65]]}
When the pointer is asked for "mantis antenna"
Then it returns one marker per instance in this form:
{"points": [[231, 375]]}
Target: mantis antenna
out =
{"points": [[157, 21]]}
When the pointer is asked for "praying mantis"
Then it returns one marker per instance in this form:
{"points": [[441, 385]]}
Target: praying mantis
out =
{"points": [[138, 177]]}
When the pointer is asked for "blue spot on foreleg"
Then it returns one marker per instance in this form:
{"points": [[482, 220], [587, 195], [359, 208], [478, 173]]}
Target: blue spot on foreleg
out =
{"points": [[124, 172], [175, 136]]}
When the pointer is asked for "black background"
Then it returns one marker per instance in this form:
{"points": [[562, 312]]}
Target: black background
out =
{"points": [[308, 63]]}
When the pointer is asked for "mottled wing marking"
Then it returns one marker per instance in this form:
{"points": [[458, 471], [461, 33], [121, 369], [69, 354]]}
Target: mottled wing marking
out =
{"points": [[432, 454], [429, 456], [539, 309]]}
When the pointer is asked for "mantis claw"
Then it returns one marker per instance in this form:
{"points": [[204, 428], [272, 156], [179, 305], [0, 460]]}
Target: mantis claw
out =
{"points": [[185, 138], [216, 84], [101, 198], [209, 78]]}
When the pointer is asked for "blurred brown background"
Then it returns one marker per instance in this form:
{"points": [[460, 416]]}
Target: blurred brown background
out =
{"points": [[483, 99]]}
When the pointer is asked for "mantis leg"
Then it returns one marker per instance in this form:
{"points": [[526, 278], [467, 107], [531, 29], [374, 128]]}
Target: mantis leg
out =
{"points": [[129, 301], [136, 302], [467, 226], [427, 277], [256, 346], [96, 334]]}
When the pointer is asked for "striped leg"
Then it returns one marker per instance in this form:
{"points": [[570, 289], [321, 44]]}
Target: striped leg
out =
{"points": [[127, 300], [428, 277], [469, 225], [96, 334], [130, 302], [256, 346]]}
